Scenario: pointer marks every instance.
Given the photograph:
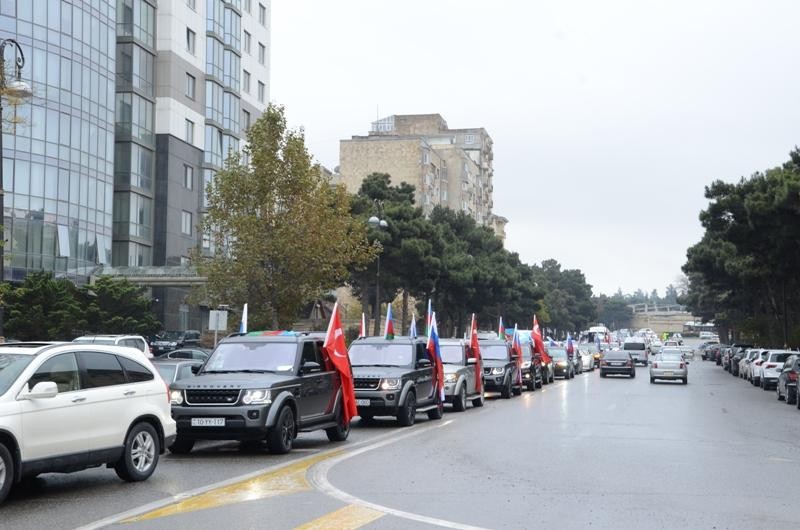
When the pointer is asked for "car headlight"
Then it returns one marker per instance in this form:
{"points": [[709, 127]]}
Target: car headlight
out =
{"points": [[256, 396], [391, 384], [497, 370], [450, 378], [173, 343], [176, 397]]}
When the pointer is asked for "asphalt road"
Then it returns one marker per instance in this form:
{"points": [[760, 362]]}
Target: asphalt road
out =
{"points": [[589, 452]]}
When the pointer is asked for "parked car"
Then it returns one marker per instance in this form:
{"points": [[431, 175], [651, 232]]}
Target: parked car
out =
{"points": [[173, 369], [65, 408], [745, 365], [394, 378], [617, 363], [772, 367], [564, 367], [499, 368], [174, 340], [460, 383], [188, 353], [669, 366], [787, 381], [637, 349], [532, 368], [755, 367], [257, 387], [130, 341], [734, 361]]}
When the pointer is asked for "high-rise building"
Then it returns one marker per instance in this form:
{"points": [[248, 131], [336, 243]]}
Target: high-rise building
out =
{"points": [[448, 167], [58, 162]]}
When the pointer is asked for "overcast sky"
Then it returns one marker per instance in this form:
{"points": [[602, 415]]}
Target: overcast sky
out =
{"points": [[608, 117]]}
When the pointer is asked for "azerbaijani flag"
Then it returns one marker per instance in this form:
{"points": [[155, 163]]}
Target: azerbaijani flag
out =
{"points": [[435, 355], [501, 329], [412, 329], [388, 332], [362, 331], [243, 325]]}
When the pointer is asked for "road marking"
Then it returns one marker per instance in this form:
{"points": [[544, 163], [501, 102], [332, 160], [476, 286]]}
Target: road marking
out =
{"points": [[351, 516], [318, 476]]}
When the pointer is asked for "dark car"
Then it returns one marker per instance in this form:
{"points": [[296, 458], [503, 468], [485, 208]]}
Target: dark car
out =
{"points": [[499, 368], [394, 377], [562, 364], [532, 368], [787, 381], [462, 380], [196, 354], [174, 340], [259, 387], [172, 370], [729, 353], [617, 362], [734, 362]]}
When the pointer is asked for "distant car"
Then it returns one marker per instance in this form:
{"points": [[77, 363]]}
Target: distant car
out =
{"points": [[734, 362], [787, 381], [532, 368], [671, 344], [188, 353], [587, 360], [564, 367], [130, 341], [771, 368], [174, 340], [669, 366], [617, 363], [706, 335], [755, 367], [577, 361], [637, 350], [745, 365], [173, 370], [460, 383]]}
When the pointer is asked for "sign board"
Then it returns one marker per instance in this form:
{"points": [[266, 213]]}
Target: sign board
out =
{"points": [[218, 321]]}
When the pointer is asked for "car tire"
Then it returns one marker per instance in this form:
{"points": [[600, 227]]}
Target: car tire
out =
{"points": [[460, 402], [408, 412], [540, 384], [633, 374], [140, 453], [341, 431], [280, 438], [791, 397], [438, 412], [517, 390], [478, 401], [531, 387], [685, 381], [652, 380], [602, 373], [505, 392], [6, 472], [764, 385], [181, 446]]}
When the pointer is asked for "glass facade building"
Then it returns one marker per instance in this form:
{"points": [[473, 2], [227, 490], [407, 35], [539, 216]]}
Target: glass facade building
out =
{"points": [[58, 161]]}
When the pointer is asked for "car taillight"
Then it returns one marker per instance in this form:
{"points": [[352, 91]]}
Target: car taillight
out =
{"points": [[682, 366], [792, 376], [758, 362], [771, 365]]}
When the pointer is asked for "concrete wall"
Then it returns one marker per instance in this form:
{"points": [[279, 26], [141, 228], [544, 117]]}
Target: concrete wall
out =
{"points": [[670, 321], [399, 157]]}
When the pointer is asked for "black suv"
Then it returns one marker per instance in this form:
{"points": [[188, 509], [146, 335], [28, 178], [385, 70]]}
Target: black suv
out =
{"points": [[174, 340], [257, 387], [394, 377], [532, 374], [499, 368]]}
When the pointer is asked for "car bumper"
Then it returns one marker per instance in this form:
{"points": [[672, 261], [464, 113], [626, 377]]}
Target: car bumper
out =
{"points": [[668, 374], [381, 403], [620, 370], [494, 383], [241, 422], [770, 379], [561, 371]]}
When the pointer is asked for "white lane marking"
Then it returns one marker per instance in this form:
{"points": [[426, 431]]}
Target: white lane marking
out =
{"points": [[155, 505], [318, 477]]}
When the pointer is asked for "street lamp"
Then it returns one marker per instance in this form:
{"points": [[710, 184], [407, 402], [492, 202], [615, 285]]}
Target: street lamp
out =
{"points": [[17, 89], [379, 223]]}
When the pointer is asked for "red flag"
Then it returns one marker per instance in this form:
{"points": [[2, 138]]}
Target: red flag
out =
{"points": [[336, 349], [516, 347], [475, 346], [538, 343]]}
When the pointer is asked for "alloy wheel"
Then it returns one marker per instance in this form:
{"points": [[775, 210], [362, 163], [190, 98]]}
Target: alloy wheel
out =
{"points": [[143, 451], [287, 430]]}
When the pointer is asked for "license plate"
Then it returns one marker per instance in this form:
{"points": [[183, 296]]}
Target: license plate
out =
{"points": [[618, 364], [667, 373], [208, 422], [362, 402]]}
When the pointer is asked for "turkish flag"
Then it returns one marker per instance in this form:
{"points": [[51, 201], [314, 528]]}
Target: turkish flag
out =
{"points": [[538, 343], [336, 349], [475, 346]]}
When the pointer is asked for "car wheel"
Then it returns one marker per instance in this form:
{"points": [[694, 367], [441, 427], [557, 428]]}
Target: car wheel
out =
{"points": [[602, 373], [478, 401], [342, 429], [685, 381], [281, 437], [181, 446], [652, 380], [6, 472], [531, 386], [517, 390], [438, 412], [633, 374], [505, 393], [540, 383], [764, 385], [408, 413], [460, 403], [140, 454], [791, 397]]}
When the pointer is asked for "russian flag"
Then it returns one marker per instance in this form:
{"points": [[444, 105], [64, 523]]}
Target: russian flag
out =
{"points": [[435, 355]]}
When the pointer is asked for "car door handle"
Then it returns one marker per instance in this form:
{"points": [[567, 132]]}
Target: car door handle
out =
{"points": [[129, 393], [78, 399]]}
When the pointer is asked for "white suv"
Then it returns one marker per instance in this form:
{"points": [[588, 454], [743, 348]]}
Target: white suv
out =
{"points": [[131, 341], [65, 407]]}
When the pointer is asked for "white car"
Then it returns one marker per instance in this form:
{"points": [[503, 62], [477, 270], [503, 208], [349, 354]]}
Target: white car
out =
{"points": [[772, 368], [66, 407], [671, 344], [755, 367], [746, 364], [587, 359]]}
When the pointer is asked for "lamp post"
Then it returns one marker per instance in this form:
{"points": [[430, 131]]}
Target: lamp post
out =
{"points": [[378, 222], [17, 89]]}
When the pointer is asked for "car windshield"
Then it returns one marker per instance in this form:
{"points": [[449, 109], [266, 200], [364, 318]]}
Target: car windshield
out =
{"points": [[496, 352], [10, 367], [633, 346], [558, 353], [779, 357], [452, 353], [364, 354], [172, 335], [252, 357], [167, 371]]}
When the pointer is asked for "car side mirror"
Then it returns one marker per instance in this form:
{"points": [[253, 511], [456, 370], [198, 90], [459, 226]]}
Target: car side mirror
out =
{"points": [[309, 367], [196, 368], [687, 362], [472, 360], [423, 363], [42, 390]]}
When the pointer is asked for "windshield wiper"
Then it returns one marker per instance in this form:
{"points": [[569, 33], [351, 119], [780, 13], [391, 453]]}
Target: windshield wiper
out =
{"points": [[217, 371], [252, 371], [379, 365]]}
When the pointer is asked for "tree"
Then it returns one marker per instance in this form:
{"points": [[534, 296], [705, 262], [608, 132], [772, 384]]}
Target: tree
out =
{"points": [[281, 234], [117, 306], [43, 308]]}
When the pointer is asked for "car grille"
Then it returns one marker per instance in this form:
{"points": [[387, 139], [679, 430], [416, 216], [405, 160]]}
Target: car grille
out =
{"points": [[212, 397], [366, 383]]}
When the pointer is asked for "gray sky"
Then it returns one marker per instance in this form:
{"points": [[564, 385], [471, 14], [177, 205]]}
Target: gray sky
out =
{"points": [[608, 117]]}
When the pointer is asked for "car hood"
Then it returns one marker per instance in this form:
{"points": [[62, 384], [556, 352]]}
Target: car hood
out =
{"points": [[231, 381], [453, 368], [492, 363], [380, 372]]}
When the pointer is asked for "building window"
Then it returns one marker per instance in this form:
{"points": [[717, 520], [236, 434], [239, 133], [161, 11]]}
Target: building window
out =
{"points": [[246, 119], [190, 41], [189, 132], [190, 86], [248, 6], [469, 138], [186, 223], [247, 42], [262, 14], [188, 177], [192, 4], [261, 90], [262, 53], [246, 81]]}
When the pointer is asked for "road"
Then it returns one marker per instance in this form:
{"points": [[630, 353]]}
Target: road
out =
{"points": [[589, 452]]}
